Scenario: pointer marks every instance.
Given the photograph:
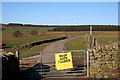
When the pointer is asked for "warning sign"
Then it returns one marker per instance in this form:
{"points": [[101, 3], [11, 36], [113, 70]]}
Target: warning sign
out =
{"points": [[63, 61]]}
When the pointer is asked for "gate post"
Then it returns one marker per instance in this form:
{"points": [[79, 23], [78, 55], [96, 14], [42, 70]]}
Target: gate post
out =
{"points": [[17, 55], [87, 63], [41, 63]]}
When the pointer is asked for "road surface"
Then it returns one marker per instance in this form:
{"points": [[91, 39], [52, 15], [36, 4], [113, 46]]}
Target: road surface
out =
{"points": [[31, 73]]}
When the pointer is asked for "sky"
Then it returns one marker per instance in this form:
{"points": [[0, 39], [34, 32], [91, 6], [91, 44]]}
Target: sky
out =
{"points": [[60, 0], [60, 13]]}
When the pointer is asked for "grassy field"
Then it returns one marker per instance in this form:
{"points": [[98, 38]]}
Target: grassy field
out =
{"points": [[7, 33], [43, 34], [10, 30], [33, 49], [76, 44], [103, 38], [20, 41]]}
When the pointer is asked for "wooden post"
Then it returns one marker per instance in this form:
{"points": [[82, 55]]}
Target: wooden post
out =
{"points": [[94, 41], [17, 55], [90, 41], [90, 36]]}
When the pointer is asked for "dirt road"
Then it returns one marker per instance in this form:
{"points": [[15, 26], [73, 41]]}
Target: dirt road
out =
{"points": [[55, 46], [58, 45]]}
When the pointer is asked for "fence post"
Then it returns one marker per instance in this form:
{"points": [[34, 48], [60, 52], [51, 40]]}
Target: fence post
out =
{"points": [[87, 63], [84, 59], [17, 55], [41, 63]]}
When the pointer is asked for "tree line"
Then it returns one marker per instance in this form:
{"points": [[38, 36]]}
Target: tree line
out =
{"points": [[30, 25], [87, 28]]}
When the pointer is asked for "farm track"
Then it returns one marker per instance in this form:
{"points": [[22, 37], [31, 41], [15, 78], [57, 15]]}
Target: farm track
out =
{"points": [[55, 46]]}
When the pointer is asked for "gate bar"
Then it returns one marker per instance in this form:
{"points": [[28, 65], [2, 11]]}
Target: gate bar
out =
{"points": [[17, 55], [65, 74], [59, 71], [53, 52]]}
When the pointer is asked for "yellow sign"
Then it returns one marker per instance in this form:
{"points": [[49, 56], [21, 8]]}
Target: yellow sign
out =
{"points": [[63, 61]]}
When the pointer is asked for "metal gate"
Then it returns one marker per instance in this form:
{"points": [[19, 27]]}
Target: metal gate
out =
{"points": [[45, 63]]}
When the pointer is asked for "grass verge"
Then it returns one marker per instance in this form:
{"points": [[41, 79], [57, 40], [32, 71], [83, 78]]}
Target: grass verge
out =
{"points": [[33, 49]]}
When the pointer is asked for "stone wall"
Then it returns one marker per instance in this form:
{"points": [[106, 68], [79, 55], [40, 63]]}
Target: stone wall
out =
{"points": [[103, 60], [9, 66], [30, 45]]}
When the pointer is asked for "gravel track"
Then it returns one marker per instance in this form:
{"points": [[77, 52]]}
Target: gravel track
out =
{"points": [[55, 46]]}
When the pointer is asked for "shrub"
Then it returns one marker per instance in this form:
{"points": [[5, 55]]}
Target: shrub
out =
{"points": [[34, 32], [17, 34]]}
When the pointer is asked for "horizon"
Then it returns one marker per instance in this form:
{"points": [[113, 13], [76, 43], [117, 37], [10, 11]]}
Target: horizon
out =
{"points": [[63, 24]]}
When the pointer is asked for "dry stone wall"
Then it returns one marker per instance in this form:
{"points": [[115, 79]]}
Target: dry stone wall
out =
{"points": [[103, 60], [30, 45]]}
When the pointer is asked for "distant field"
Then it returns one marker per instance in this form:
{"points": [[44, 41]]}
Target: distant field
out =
{"points": [[7, 35], [10, 30], [20, 41], [106, 36], [103, 38]]}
